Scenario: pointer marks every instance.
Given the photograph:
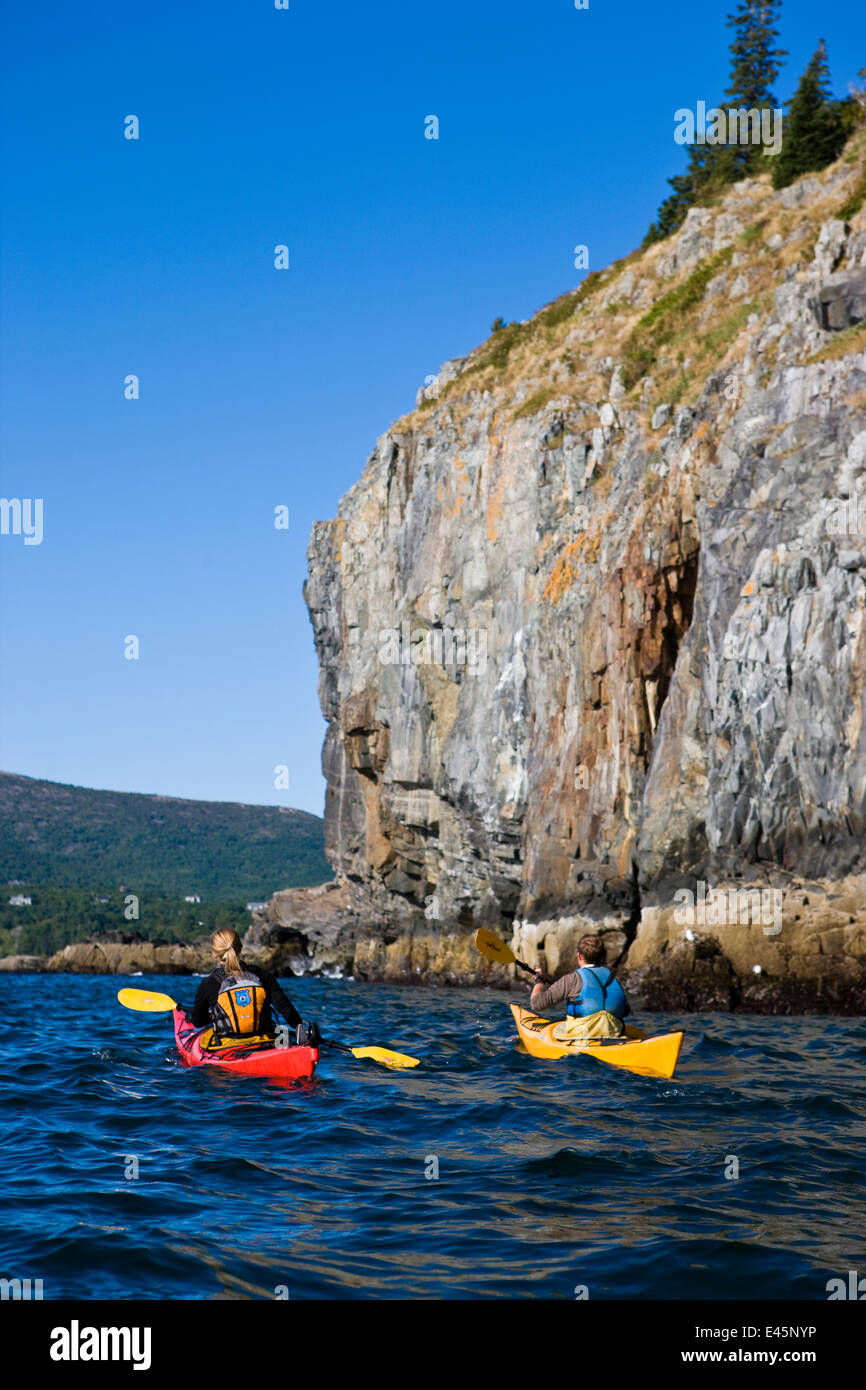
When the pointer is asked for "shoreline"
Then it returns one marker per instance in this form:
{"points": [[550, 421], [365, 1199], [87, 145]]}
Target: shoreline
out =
{"points": [[810, 960], [696, 993]]}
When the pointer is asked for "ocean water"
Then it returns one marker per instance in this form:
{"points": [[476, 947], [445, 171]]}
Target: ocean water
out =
{"points": [[482, 1173]]}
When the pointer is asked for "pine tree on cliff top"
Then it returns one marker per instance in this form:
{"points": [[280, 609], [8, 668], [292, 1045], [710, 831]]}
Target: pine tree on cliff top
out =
{"points": [[755, 65], [814, 129], [754, 61]]}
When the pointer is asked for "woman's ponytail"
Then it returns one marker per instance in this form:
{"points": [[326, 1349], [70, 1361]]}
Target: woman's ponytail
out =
{"points": [[227, 947]]}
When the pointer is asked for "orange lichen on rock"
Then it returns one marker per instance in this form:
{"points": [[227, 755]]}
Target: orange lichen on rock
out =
{"points": [[584, 550], [462, 478], [495, 507], [563, 574], [494, 512]]}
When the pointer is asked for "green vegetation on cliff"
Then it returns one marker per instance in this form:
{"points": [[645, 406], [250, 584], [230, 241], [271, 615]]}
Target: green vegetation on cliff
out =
{"points": [[816, 129], [812, 133]]}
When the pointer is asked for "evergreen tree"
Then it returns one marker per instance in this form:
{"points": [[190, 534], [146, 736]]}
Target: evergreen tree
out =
{"points": [[672, 212], [754, 61], [755, 65], [814, 130]]}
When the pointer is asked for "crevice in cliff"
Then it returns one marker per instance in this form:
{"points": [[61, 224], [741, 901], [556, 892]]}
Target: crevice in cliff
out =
{"points": [[632, 922], [670, 623]]}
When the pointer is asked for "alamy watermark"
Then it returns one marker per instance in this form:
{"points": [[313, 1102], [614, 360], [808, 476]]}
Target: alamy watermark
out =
{"points": [[848, 517], [720, 907], [855, 1288], [22, 516], [77, 1343], [17, 1289], [445, 646], [736, 126]]}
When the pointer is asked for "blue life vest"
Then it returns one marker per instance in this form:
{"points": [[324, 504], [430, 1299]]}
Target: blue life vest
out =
{"points": [[600, 991]]}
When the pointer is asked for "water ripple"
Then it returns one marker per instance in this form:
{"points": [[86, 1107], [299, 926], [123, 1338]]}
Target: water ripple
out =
{"points": [[481, 1173]]}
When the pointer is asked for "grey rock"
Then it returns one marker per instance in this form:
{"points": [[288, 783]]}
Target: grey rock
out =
{"points": [[840, 301], [616, 390], [693, 241], [23, 965], [800, 192], [830, 246], [305, 931], [431, 389]]}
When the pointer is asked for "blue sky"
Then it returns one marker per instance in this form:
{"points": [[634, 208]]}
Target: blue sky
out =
{"points": [[261, 387]]}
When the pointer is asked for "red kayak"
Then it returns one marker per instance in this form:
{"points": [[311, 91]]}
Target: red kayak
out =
{"points": [[289, 1063]]}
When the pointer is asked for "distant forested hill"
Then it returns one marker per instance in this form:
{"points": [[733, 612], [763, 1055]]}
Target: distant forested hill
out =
{"points": [[223, 851]]}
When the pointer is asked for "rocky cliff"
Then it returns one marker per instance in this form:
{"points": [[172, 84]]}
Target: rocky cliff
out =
{"points": [[591, 631]]}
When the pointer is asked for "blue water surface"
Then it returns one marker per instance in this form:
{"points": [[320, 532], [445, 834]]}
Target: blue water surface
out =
{"points": [[551, 1175]]}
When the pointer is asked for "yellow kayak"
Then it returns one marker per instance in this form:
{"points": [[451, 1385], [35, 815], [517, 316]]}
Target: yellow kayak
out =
{"points": [[636, 1052]]}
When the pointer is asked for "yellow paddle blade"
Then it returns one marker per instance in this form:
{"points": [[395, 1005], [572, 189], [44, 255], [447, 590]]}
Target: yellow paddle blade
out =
{"points": [[145, 1001], [493, 947], [384, 1054]]}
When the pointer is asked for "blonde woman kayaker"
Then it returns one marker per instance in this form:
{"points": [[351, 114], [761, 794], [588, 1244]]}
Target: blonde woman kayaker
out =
{"points": [[595, 1000], [237, 999]]}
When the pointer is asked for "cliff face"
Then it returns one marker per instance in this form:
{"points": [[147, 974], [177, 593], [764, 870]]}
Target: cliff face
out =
{"points": [[590, 626]]}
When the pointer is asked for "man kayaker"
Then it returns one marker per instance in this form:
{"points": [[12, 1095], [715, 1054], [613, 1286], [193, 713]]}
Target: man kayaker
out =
{"points": [[595, 1000], [237, 999]]}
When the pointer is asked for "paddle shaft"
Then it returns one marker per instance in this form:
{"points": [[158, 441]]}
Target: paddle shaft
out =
{"points": [[545, 979]]}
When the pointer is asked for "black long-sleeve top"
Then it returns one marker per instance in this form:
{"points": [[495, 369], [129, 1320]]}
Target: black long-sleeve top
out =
{"points": [[210, 987]]}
